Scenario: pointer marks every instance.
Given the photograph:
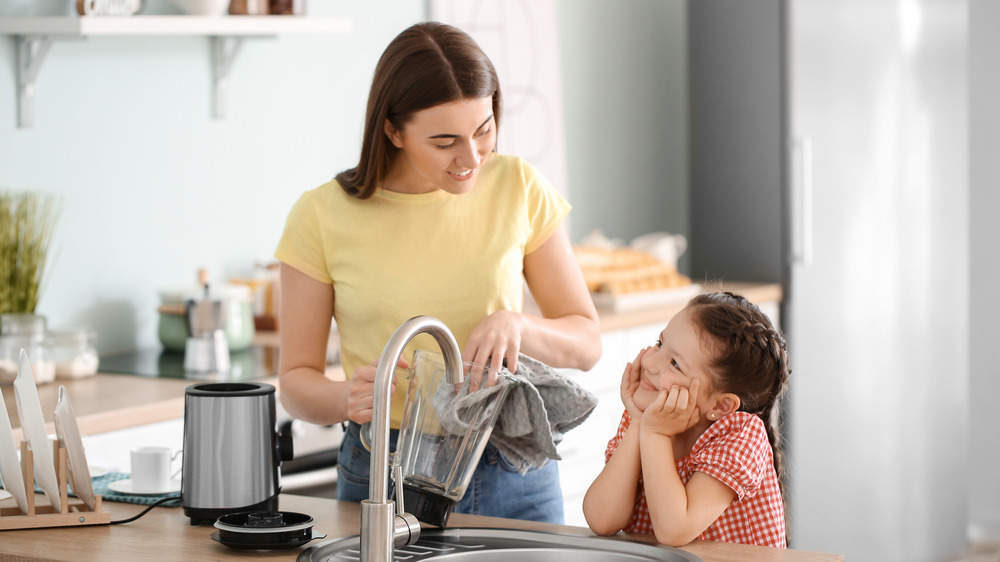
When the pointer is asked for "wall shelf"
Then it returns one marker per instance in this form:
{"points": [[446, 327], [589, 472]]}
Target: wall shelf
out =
{"points": [[35, 36]]}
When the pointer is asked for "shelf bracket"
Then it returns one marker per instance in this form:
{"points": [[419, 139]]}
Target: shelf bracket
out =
{"points": [[224, 51], [31, 52]]}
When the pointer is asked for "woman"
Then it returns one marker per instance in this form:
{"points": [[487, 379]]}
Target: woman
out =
{"points": [[430, 222]]}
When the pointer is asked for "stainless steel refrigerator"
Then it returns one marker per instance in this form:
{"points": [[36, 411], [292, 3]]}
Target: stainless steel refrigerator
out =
{"points": [[830, 152]]}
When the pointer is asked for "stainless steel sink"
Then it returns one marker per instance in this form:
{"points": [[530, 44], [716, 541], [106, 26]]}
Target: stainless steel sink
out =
{"points": [[502, 545]]}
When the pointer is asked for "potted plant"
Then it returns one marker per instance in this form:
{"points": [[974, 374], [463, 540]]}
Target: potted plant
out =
{"points": [[27, 220]]}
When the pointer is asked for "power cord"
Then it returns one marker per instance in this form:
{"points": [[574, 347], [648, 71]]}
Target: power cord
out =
{"points": [[158, 503]]}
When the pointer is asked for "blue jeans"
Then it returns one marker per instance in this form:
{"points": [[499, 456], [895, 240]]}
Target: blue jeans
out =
{"points": [[496, 488]]}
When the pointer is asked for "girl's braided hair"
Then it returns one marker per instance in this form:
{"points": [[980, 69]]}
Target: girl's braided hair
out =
{"points": [[750, 360]]}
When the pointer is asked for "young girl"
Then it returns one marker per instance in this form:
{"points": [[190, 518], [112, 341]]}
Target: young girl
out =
{"points": [[697, 453]]}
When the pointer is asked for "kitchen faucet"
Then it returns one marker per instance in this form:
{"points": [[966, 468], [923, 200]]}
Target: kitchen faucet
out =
{"points": [[383, 526]]}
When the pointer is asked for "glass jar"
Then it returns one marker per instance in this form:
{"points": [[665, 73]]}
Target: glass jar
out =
{"points": [[27, 332], [74, 352]]}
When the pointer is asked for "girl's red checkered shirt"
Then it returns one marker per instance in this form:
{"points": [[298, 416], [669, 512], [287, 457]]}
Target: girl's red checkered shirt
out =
{"points": [[736, 452]]}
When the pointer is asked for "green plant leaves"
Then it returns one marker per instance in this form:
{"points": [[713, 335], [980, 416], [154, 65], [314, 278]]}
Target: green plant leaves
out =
{"points": [[27, 220]]}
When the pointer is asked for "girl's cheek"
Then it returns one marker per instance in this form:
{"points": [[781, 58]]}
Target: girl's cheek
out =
{"points": [[654, 381], [664, 382]]}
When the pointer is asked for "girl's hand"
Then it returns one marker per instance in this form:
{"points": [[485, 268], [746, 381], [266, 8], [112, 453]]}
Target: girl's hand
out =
{"points": [[361, 391], [674, 411], [496, 339], [630, 382]]}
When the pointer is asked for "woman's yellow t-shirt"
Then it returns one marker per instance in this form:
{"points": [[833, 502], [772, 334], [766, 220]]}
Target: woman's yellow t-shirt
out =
{"points": [[391, 257]]}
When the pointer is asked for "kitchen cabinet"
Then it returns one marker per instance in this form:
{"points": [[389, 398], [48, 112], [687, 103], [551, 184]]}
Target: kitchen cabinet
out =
{"points": [[36, 35], [854, 117]]}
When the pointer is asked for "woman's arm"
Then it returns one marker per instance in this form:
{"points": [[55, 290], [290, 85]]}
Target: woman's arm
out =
{"points": [[305, 316], [566, 335]]}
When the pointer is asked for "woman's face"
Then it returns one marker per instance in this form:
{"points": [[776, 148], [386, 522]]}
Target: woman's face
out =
{"points": [[677, 359], [442, 147]]}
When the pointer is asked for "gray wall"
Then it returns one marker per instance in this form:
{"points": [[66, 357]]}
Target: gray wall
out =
{"points": [[984, 416], [625, 102], [736, 148]]}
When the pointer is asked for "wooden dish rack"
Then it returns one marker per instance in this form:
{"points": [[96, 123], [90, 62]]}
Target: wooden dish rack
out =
{"points": [[74, 512]]}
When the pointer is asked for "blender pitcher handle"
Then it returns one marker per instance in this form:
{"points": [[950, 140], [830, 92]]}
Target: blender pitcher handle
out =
{"points": [[366, 436]]}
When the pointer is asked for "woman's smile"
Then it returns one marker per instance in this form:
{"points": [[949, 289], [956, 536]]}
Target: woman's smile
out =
{"points": [[461, 176]]}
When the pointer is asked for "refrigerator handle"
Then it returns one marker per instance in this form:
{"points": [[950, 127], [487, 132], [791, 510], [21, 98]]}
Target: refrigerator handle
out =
{"points": [[802, 201]]}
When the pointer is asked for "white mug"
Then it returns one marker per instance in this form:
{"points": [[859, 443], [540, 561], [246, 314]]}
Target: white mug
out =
{"points": [[151, 470]]}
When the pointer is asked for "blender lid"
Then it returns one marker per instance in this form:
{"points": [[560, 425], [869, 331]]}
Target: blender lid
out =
{"points": [[265, 530]]}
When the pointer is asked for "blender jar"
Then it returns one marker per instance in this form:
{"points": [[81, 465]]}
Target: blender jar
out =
{"points": [[444, 430]]}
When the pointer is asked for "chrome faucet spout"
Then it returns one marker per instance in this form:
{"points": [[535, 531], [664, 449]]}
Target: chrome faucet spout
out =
{"points": [[382, 529]]}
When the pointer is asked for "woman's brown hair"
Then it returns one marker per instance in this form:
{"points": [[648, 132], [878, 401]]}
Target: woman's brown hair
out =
{"points": [[750, 360], [428, 64]]}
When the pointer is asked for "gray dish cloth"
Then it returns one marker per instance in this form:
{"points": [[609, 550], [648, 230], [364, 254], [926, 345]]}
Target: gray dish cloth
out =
{"points": [[533, 419]]}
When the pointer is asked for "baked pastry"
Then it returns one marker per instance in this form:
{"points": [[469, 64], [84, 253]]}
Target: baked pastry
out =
{"points": [[625, 270]]}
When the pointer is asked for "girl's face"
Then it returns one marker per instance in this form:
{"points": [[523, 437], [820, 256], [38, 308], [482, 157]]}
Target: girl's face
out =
{"points": [[677, 359], [442, 147]]}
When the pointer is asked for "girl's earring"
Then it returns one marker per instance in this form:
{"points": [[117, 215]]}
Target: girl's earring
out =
{"points": [[712, 416]]}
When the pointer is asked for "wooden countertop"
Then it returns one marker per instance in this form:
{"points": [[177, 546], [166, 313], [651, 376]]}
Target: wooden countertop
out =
{"points": [[755, 292], [108, 402], [165, 534]]}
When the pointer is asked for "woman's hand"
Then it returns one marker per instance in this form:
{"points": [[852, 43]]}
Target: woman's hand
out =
{"points": [[361, 391], [496, 339], [674, 411], [630, 382]]}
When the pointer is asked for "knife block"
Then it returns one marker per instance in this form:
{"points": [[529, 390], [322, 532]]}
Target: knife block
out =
{"points": [[45, 515]]}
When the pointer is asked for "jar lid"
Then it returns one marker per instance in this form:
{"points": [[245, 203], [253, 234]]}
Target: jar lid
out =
{"points": [[72, 334], [26, 324]]}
